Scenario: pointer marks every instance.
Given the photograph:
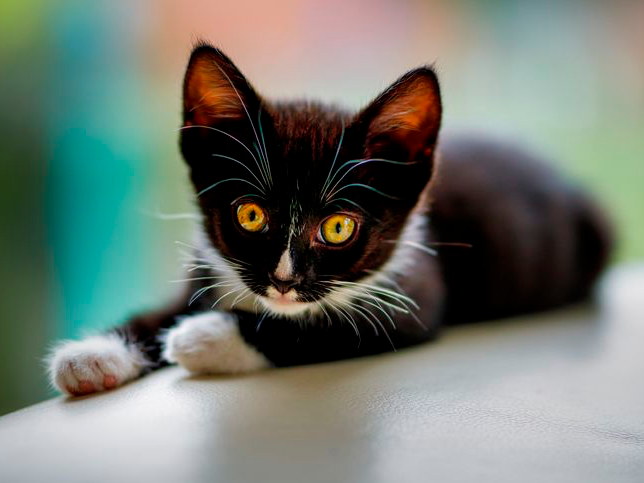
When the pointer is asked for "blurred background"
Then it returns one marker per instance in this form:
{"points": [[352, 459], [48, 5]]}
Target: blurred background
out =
{"points": [[90, 106]]}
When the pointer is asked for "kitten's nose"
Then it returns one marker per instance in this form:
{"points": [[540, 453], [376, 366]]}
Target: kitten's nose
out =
{"points": [[283, 286]]}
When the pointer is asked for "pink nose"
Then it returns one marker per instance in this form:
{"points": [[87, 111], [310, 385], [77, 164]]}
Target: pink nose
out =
{"points": [[282, 286]]}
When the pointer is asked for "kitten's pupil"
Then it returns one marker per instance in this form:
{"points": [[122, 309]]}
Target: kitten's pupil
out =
{"points": [[338, 228], [252, 215]]}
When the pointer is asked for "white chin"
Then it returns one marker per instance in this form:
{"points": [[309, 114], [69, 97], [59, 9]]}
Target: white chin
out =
{"points": [[285, 308]]}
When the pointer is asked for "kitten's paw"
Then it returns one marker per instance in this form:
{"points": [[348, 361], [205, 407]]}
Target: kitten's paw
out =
{"points": [[210, 343], [94, 364]]}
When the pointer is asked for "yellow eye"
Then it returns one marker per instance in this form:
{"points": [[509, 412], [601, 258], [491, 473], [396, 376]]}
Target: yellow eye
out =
{"points": [[337, 229], [251, 217]]}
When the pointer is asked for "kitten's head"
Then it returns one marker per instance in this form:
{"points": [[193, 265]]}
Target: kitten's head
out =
{"points": [[301, 201]]}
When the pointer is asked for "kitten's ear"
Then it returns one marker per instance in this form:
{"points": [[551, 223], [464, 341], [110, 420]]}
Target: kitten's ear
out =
{"points": [[214, 90], [403, 122], [220, 114]]}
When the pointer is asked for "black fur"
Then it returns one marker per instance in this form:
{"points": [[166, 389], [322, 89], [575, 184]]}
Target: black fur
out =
{"points": [[535, 241]]}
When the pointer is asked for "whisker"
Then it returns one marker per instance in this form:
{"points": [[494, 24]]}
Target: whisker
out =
{"points": [[209, 261], [248, 195], [398, 308], [362, 311], [227, 180], [215, 272], [352, 322], [395, 284], [386, 278], [237, 260], [377, 306], [359, 162], [242, 164], [348, 318], [203, 290], [178, 242], [259, 323], [264, 164], [413, 244], [191, 257], [361, 185], [171, 216], [224, 266], [225, 295], [328, 317], [240, 100], [452, 244], [328, 181], [200, 278], [194, 266], [244, 295], [375, 288], [335, 200], [261, 132], [226, 134], [368, 316]]}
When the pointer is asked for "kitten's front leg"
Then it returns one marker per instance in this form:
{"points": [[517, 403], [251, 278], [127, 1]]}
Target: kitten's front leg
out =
{"points": [[106, 361], [210, 343]]}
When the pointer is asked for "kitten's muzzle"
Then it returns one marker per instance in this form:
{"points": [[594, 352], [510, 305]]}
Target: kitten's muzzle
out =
{"points": [[284, 286]]}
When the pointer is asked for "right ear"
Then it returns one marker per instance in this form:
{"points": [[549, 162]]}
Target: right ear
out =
{"points": [[214, 90]]}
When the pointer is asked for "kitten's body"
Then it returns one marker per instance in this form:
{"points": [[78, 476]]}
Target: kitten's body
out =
{"points": [[537, 241], [283, 296]]}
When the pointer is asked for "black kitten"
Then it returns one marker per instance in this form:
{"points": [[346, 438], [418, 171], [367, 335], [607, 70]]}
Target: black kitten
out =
{"points": [[316, 240]]}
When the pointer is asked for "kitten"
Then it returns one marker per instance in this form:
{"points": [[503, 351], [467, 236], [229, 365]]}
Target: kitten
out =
{"points": [[316, 242]]}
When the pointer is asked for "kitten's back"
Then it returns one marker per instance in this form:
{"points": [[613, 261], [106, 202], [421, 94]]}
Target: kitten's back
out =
{"points": [[537, 241]]}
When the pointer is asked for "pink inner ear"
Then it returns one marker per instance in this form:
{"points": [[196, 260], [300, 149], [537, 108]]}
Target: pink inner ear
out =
{"points": [[413, 113], [209, 94], [409, 111]]}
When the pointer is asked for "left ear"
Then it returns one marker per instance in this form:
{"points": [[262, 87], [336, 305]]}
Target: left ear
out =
{"points": [[403, 122]]}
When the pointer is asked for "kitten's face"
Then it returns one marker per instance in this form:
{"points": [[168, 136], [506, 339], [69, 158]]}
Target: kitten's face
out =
{"points": [[303, 201]]}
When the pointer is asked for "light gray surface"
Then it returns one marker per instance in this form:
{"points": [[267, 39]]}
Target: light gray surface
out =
{"points": [[549, 398]]}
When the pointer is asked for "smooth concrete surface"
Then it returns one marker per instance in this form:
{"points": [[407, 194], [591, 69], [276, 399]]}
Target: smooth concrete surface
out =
{"points": [[547, 398]]}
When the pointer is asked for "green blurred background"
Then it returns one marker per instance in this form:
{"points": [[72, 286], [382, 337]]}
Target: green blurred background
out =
{"points": [[89, 107]]}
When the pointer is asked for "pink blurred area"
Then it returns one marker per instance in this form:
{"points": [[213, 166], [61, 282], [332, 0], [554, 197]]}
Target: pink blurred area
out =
{"points": [[549, 74], [346, 51], [342, 51]]}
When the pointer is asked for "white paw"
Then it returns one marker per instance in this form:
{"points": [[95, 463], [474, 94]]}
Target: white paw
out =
{"points": [[210, 343], [93, 364]]}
